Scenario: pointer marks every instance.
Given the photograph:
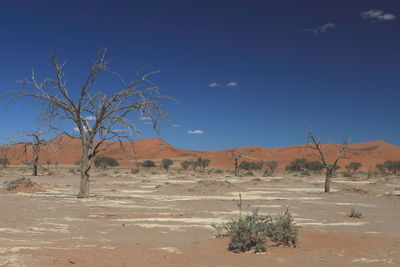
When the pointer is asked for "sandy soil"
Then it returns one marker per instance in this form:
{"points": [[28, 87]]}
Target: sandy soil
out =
{"points": [[165, 220]]}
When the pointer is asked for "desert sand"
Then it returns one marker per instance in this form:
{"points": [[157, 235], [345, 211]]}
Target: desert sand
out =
{"points": [[157, 219]]}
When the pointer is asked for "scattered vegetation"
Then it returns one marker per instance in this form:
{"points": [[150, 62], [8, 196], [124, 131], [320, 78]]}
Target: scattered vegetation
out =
{"points": [[14, 184], [105, 161], [251, 165], [389, 166]]}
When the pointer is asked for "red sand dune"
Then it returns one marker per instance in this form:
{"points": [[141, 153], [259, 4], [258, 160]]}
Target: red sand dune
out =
{"points": [[66, 151]]}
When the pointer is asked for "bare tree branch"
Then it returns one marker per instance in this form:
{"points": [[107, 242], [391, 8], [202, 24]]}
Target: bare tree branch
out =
{"points": [[96, 115]]}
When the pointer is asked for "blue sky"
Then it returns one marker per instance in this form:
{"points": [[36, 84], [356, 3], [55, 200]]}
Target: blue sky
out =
{"points": [[246, 73]]}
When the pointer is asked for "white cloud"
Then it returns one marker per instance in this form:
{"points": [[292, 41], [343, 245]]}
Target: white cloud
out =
{"points": [[214, 84], [90, 118], [232, 84], [76, 129], [379, 15], [176, 126], [322, 28], [143, 118], [121, 130], [195, 132]]}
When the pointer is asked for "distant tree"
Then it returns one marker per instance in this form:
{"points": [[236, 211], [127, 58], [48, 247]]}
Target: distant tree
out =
{"points": [[392, 166], [272, 165], [246, 165], [96, 115], [337, 167], [381, 168], [354, 166], [258, 165], [185, 164], [105, 161], [315, 144], [166, 163], [204, 163], [315, 166], [297, 165], [195, 163], [148, 164], [4, 162], [35, 145], [235, 155], [48, 162]]}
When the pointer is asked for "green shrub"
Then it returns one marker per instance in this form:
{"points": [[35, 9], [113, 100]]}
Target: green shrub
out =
{"points": [[218, 171], [148, 164], [348, 175], [135, 170], [104, 162], [305, 173], [166, 163], [252, 232], [268, 173]]}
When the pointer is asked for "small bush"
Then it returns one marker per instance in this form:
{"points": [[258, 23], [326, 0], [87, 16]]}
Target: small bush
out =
{"points": [[347, 175], [268, 173], [252, 232], [148, 164], [355, 214], [135, 170], [104, 162], [72, 171], [305, 173], [249, 173], [218, 171]]}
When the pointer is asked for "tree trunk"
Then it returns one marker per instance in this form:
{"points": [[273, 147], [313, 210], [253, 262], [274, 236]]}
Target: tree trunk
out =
{"points": [[85, 174], [35, 160], [236, 167], [328, 181], [34, 169], [84, 187]]}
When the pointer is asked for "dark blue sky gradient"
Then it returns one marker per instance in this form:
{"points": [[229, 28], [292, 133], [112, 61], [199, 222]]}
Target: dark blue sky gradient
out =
{"points": [[345, 81]]}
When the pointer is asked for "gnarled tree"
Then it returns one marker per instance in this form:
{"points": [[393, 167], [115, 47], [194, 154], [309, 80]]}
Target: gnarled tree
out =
{"points": [[96, 115], [236, 154], [36, 145], [315, 144]]}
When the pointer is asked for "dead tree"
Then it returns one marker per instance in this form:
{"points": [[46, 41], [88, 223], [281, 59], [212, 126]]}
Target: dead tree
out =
{"points": [[4, 161], [36, 146], [315, 144], [94, 114], [236, 154]]}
